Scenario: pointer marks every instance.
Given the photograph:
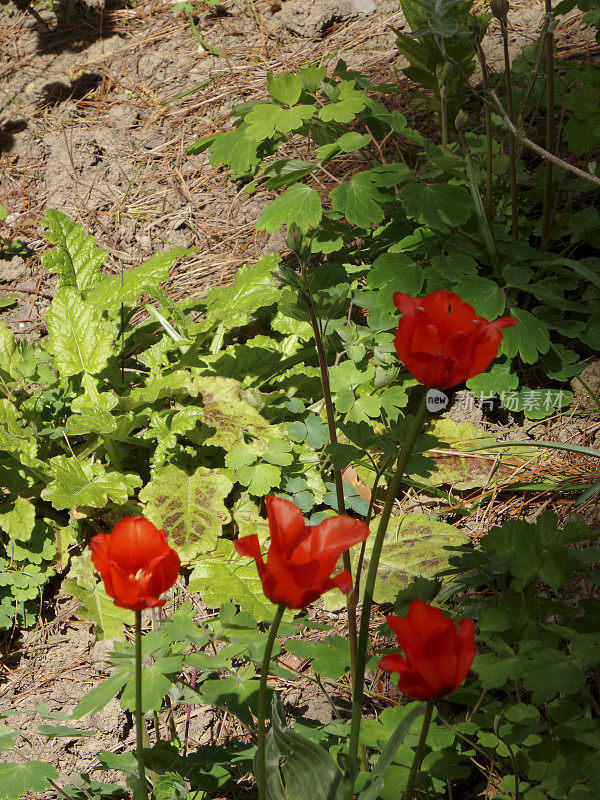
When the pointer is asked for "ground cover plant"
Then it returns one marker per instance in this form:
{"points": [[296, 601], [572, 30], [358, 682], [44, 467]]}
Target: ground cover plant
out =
{"points": [[237, 446]]}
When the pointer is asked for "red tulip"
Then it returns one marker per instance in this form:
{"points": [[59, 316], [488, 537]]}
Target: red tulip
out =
{"points": [[437, 656], [300, 559], [136, 563], [442, 341]]}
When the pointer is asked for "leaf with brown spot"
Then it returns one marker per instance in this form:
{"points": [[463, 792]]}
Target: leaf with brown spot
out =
{"points": [[190, 508]]}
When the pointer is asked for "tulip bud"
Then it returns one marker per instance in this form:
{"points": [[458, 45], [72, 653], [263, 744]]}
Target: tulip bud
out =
{"points": [[461, 121], [443, 71], [499, 8]]}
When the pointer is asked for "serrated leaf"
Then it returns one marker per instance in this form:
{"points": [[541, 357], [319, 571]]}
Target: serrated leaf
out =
{"points": [[190, 508], [484, 295], [347, 143], [552, 673], [91, 420], [259, 478], [497, 379], [299, 205], [128, 287], [529, 337], [265, 120], [13, 439], [78, 337], [96, 606], [356, 200], [83, 483], [155, 686], [7, 737], [76, 258], [394, 272], [224, 576], [413, 547], [18, 522], [348, 102], [252, 288], [10, 357], [285, 88], [437, 205], [29, 776]]}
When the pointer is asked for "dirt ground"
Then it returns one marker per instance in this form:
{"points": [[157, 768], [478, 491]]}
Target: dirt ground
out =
{"points": [[95, 116]]}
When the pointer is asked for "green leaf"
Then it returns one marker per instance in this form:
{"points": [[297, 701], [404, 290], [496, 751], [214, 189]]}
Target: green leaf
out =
{"points": [[76, 258], [7, 737], [356, 200], [437, 205], [348, 102], [552, 673], [18, 522], [101, 695], [347, 143], [78, 337], [235, 148], [394, 272], [497, 379], [252, 288], [10, 357], [31, 776], [330, 657], [528, 338], [259, 478], [299, 205], [190, 508], [484, 295], [285, 88], [265, 120], [238, 694], [86, 483], [13, 438], [9, 300], [128, 287], [96, 605], [224, 576], [291, 758], [155, 686]]}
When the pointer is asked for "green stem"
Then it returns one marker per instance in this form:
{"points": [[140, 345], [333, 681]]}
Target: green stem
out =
{"points": [[512, 148], [489, 159], [444, 113], [139, 717], [262, 704], [363, 639], [419, 752], [352, 597], [547, 212]]}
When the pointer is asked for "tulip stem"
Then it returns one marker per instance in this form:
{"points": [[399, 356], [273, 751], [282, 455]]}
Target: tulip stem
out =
{"points": [[139, 717], [363, 639], [262, 705], [352, 597], [419, 752]]}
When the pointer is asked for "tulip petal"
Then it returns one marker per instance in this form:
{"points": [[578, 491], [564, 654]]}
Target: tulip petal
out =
{"points": [[327, 541], [286, 523], [392, 663], [162, 574], [406, 304], [135, 542]]}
